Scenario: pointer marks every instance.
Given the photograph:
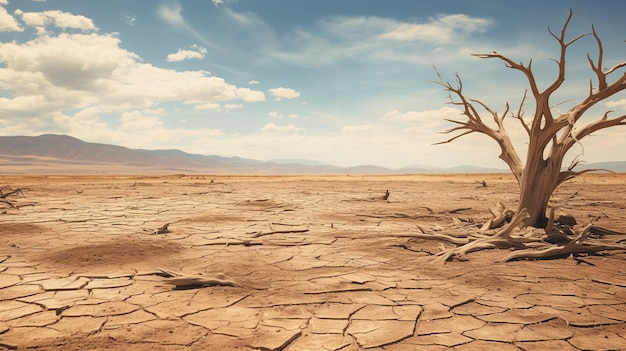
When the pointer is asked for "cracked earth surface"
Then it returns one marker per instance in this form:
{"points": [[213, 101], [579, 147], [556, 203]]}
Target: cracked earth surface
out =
{"points": [[320, 264]]}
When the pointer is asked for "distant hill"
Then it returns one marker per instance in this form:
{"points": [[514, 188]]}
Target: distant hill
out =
{"points": [[50, 153], [62, 153], [424, 169], [289, 161]]}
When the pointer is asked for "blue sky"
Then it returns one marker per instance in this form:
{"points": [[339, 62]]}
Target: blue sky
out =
{"points": [[344, 82]]}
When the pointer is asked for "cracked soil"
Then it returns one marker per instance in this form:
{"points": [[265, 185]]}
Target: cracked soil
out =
{"points": [[319, 262]]}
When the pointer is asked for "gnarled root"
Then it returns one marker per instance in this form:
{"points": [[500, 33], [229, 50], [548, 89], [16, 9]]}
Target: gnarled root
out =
{"points": [[564, 250], [500, 240], [500, 216], [524, 247]]}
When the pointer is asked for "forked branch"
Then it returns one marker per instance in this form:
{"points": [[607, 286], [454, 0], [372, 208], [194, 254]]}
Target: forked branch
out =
{"points": [[475, 123]]}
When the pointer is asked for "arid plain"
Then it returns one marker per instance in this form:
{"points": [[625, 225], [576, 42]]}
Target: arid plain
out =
{"points": [[296, 263]]}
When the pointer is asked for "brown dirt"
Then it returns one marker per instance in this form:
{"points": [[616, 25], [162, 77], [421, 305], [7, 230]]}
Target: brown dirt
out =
{"points": [[106, 254], [321, 262]]}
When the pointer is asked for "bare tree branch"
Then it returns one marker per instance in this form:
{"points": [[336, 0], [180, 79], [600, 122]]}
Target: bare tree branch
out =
{"points": [[475, 123], [520, 114]]}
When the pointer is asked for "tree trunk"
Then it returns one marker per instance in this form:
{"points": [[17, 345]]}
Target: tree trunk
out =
{"points": [[539, 180]]}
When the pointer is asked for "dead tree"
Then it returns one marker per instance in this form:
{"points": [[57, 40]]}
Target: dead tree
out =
{"points": [[551, 134]]}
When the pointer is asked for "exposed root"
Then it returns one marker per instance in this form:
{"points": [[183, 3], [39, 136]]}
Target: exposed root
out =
{"points": [[525, 247], [564, 250], [500, 240], [500, 216], [441, 237]]}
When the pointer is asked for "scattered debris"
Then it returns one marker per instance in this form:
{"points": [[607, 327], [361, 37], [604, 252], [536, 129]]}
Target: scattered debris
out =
{"points": [[6, 192], [386, 196], [164, 229], [186, 281]]}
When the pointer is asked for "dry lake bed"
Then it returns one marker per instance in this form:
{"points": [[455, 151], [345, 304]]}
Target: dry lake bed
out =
{"points": [[296, 263]]}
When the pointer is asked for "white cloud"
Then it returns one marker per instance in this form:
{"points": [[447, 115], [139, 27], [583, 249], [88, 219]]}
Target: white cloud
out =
{"points": [[284, 93], [196, 52], [442, 29], [243, 19], [430, 122], [208, 106], [254, 82], [40, 80], [274, 114], [371, 39], [217, 107], [345, 149], [232, 106], [172, 13], [273, 128], [43, 65], [154, 111], [8, 23], [129, 18], [249, 95], [423, 116], [621, 104], [137, 121], [56, 18], [137, 130]]}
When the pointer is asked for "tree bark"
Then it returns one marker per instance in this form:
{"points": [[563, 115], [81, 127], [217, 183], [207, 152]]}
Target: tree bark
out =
{"points": [[539, 180]]}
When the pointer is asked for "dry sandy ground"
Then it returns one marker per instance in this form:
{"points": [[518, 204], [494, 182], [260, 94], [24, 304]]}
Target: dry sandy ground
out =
{"points": [[319, 263]]}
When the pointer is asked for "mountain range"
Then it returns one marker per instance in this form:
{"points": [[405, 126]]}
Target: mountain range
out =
{"points": [[50, 153]]}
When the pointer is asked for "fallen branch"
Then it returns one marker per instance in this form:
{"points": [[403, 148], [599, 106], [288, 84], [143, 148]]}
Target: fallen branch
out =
{"points": [[600, 231], [6, 192], [459, 209], [164, 229], [384, 197], [186, 281], [11, 192]]}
